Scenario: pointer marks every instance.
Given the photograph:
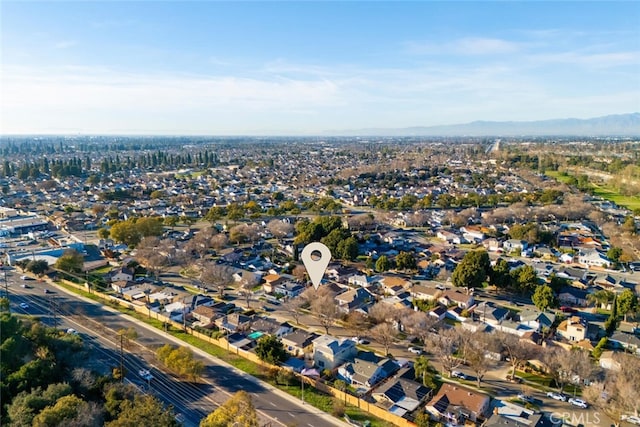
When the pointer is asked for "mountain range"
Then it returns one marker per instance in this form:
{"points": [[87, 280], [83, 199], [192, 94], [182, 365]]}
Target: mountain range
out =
{"points": [[612, 125]]}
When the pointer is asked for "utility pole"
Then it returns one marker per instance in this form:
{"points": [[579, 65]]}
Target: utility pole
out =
{"points": [[121, 357], [6, 284]]}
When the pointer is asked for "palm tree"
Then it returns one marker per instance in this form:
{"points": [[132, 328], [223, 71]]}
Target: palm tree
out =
{"points": [[421, 367]]}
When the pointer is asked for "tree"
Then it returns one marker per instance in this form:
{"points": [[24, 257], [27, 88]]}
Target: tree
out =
{"points": [[103, 233], [383, 264], [385, 334], [525, 278], [357, 323], [171, 221], [180, 360], [271, 350], [423, 419], [406, 261], [325, 309], [544, 298], [475, 355], [348, 248], [472, 270], [499, 274], [422, 371], [214, 214], [443, 346], [143, 409], [71, 261], [280, 229], [249, 281], [601, 298], [62, 412], [292, 307], [37, 267], [618, 393], [627, 302], [238, 410], [217, 275], [517, 350], [342, 386]]}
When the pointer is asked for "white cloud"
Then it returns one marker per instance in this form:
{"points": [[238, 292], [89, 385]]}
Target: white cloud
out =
{"points": [[464, 46]]}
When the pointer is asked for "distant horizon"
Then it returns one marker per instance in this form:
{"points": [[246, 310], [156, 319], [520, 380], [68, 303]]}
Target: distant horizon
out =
{"points": [[271, 68], [353, 133]]}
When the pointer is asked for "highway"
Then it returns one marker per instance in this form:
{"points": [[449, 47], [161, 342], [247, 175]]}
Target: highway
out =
{"points": [[98, 324]]}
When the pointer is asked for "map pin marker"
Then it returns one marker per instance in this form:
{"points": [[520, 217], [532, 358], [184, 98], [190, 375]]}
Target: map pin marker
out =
{"points": [[316, 257]]}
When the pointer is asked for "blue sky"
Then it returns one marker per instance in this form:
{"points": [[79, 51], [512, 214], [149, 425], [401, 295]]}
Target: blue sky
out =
{"points": [[300, 67]]}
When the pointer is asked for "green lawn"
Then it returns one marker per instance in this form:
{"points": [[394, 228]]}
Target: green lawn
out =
{"points": [[558, 176], [631, 202], [534, 378]]}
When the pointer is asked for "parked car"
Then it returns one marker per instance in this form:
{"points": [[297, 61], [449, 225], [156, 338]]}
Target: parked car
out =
{"points": [[631, 419], [359, 340], [46, 291], [557, 396], [72, 331], [25, 286], [567, 309], [415, 350], [24, 305], [578, 402], [526, 398], [458, 374], [25, 277]]}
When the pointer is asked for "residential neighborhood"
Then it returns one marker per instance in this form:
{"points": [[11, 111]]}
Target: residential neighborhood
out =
{"points": [[450, 290]]}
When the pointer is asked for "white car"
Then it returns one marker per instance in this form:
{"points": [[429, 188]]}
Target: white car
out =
{"points": [[145, 374], [631, 419], [24, 305], [458, 374], [578, 402], [557, 396], [72, 331], [526, 398], [415, 350]]}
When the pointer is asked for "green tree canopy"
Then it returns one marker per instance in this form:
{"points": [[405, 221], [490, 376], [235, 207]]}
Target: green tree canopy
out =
{"points": [[472, 270], [383, 263], [37, 267], [406, 261], [71, 261], [544, 297], [627, 302], [271, 350]]}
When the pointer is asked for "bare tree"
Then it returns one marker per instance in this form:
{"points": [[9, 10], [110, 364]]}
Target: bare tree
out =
{"points": [[567, 366], [217, 275], [357, 323], [219, 241], [325, 309], [292, 307], [419, 324], [443, 346], [476, 358], [385, 335], [300, 273], [280, 228], [249, 281], [517, 351]]}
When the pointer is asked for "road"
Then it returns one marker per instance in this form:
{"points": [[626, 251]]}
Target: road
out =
{"points": [[192, 400]]}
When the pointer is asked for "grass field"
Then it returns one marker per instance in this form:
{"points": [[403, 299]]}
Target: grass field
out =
{"points": [[607, 193], [630, 202]]}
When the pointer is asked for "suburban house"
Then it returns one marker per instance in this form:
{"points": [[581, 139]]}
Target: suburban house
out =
{"points": [[366, 373], [205, 316], [490, 313], [629, 342], [271, 326], [536, 320], [330, 352], [450, 237], [573, 296], [507, 414], [457, 404], [271, 280], [424, 292], [288, 289], [439, 312], [514, 245], [573, 329], [121, 285], [234, 322], [124, 273], [392, 285], [460, 299], [593, 258], [354, 299], [299, 342], [401, 396], [361, 280]]}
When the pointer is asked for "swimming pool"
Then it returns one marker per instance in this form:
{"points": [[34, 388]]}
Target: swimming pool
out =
{"points": [[255, 335]]}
